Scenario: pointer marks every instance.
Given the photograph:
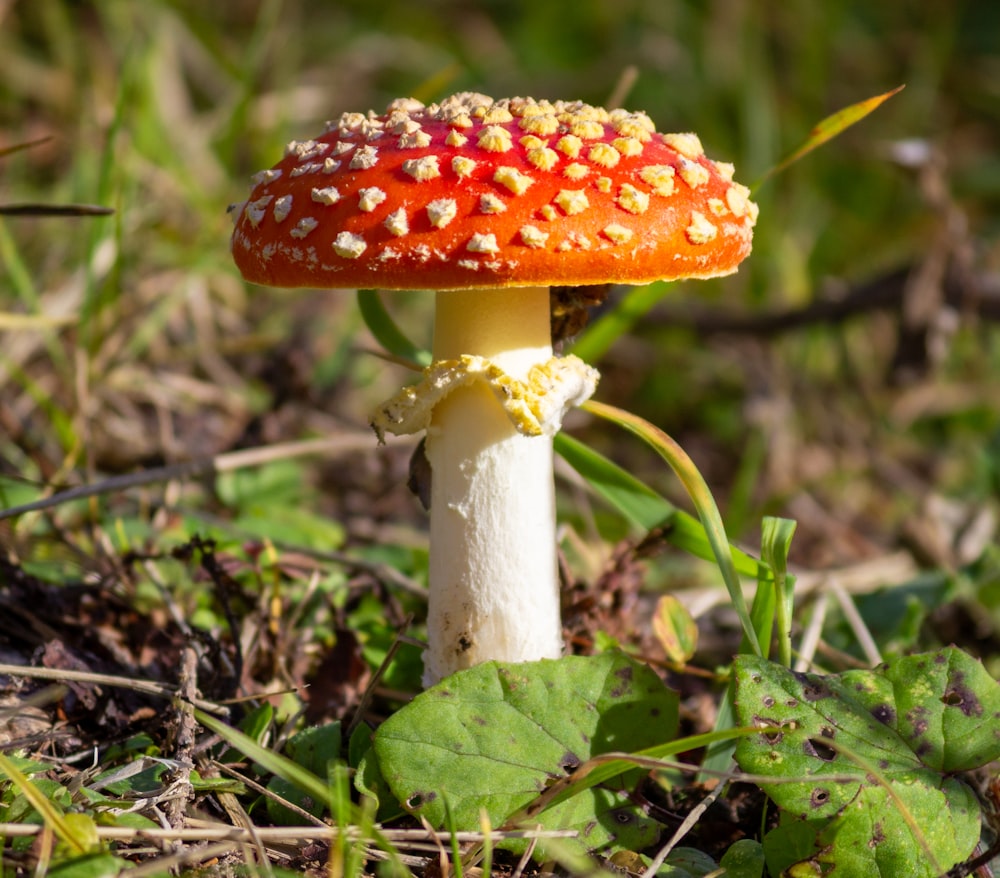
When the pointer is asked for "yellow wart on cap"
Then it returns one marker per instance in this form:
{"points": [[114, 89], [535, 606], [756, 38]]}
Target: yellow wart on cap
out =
{"points": [[701, 230]]}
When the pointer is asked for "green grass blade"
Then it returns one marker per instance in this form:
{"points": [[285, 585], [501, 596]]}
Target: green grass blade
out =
{"points": [[273, 762], [595, 341], [601, 769], [644, 507], [52, 816], [387, 333], [701, 496], [776, 539], [639, 503]]}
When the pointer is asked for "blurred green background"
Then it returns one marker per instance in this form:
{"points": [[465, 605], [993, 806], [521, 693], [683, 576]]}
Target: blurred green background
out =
{"points": [[844, 377]]}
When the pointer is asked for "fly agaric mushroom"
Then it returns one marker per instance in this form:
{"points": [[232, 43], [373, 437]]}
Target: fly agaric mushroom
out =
{"points": [[489, 203]]}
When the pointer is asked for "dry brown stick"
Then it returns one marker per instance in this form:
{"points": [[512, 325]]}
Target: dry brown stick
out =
{"points": [[148, 687], [184, 734], [220, 463], [287, 834]]}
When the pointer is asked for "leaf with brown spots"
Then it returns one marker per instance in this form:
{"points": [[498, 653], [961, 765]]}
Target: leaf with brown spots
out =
{"points": [[495, 736], [863, 758]]}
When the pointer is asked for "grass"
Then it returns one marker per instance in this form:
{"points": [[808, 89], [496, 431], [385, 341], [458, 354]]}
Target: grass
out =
{"points": [[843, 379]]}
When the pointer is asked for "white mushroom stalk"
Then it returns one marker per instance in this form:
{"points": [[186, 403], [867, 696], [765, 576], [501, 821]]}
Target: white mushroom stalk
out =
{"points": [[491, 403]]}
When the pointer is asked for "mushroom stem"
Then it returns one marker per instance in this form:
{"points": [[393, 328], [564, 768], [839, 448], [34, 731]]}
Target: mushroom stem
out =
{"points": [[493, 579]]}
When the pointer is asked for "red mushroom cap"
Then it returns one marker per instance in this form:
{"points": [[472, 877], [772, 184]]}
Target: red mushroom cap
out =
{"points": [[473, 192]]}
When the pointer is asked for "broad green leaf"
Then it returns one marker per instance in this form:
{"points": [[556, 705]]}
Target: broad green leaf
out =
{"points": [[369, 782], [861, 757], [944, 705], [93, 865], [688, 861], [83, 831], [278, 811], [315, 747], [493, 737], [791, 842]]}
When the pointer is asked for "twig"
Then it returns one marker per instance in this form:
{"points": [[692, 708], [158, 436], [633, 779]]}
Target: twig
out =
{"points": [[286, 834], [54, 210], [148, 687], [220, 463], [266, 793], [183, 735], [883, 293]]}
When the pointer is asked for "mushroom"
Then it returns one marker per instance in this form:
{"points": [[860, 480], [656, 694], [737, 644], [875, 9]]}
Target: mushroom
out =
{"points": [[489, 203]]}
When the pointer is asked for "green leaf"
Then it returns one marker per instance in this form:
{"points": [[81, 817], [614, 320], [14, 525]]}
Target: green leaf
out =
{"points": [[369, 782], [688, 861], [84, 834], [292, 525], [744, 859], [861, 758], [494, 736], [945, 706], [278, 811], [67, 831], [792, 842], [675, 629], [314, 748], [94, 865]]}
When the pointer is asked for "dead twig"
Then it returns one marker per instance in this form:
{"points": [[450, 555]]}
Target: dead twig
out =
{"points": [[147, 687], [200, 466]]}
